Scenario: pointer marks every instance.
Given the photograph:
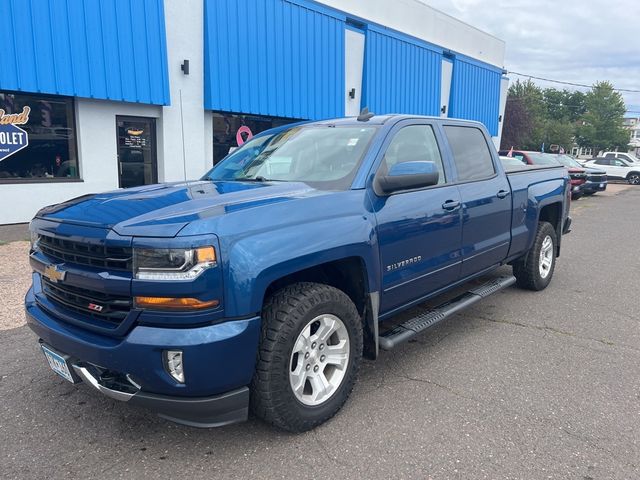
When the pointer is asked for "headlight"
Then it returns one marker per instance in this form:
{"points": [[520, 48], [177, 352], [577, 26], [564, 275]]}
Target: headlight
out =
{"points": [[172, 263]]}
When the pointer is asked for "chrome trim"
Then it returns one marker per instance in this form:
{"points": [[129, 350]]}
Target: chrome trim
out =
{"points": [[92, 381]]}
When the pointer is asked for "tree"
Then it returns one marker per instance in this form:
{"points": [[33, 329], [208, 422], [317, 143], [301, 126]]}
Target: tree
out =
{"points": [[524, 115], [601, 125], [517, 125], [564, 105]]}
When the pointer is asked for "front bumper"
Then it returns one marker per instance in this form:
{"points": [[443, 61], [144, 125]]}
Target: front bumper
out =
{"points": [[219, 361], [592, 187]]}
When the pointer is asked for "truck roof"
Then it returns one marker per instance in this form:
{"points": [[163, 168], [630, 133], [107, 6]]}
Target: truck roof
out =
{"points": [[382, 119]]}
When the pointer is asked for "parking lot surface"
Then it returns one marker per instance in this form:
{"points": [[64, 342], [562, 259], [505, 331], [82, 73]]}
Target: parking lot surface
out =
{"points": [[524, 385]]}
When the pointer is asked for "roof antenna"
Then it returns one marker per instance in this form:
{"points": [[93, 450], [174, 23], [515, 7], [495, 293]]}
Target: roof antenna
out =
{"points": [[365, 115]]}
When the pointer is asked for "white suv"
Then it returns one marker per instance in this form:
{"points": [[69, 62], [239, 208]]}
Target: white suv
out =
{"points": [[617, 168], [627, 157]]}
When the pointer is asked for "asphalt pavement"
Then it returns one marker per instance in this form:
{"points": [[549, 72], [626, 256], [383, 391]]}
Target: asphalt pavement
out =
{"points": [[524, 385]]}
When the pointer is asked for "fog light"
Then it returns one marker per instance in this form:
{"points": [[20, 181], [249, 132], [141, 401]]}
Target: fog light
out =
{"points": [[173, 364]]}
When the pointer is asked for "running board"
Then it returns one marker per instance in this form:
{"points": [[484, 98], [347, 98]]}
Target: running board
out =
{"points": [[409, 329]]}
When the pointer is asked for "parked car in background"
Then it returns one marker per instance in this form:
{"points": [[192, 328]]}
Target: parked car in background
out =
{"points": [[577, 174], [596, 180], [617, 168], [627, 157]]}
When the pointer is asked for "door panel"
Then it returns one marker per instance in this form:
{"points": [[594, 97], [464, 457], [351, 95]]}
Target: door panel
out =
{"points": [[419, 244], [486, 224], [354, 61], [486, 200], [419, 231]]}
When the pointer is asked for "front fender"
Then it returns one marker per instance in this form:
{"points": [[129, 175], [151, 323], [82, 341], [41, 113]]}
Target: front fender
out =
{"points": [[257, 261], [259, 246]]}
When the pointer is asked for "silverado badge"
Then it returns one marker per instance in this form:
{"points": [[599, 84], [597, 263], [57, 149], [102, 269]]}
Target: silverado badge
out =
{"points": [[54, 273]]}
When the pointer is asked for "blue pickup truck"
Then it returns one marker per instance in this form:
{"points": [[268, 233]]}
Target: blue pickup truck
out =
{"points": [[262, 285]]}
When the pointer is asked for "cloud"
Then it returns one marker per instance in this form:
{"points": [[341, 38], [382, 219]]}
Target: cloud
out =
{"points": [[570, 40]]}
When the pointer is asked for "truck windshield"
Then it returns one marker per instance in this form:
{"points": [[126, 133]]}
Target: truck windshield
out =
{"points": [[325, 157]]}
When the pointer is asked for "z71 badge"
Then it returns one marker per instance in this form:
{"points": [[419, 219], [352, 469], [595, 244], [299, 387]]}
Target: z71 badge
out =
{"points": [[403, 263], [54, 273]]}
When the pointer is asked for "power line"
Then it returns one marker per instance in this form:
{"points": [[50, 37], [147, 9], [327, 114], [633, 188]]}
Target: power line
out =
{"points": [[626, 90]]}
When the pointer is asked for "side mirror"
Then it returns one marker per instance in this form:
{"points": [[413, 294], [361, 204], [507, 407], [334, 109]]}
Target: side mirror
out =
{"points": [[407, 175]]}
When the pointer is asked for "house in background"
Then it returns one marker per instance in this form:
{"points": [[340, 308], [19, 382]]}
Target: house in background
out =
{"points": [[632, 123]]}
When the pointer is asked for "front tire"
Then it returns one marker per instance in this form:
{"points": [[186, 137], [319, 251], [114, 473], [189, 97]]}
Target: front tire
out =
{"points": [[308, 357], [535, 271], [633, 178]]}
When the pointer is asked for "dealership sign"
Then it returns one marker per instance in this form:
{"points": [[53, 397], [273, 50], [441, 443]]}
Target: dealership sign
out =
{"points": [[13, 138]]}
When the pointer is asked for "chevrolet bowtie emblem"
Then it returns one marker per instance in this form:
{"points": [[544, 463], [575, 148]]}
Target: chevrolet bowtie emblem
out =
{"points": [[54, 273]]}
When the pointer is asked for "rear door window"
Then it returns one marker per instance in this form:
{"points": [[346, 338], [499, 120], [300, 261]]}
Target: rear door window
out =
{"points": [[471, 153]]}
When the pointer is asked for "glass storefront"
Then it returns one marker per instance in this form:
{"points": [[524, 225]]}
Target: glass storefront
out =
{"points": [[229, 128], [137, 159], [37, 139]]}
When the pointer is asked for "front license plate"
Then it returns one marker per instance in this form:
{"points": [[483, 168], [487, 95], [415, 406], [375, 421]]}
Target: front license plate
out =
{"points": [[57, 363]]}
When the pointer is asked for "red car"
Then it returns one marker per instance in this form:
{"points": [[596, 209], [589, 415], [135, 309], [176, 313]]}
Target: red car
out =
{"points": [[578, 175]]}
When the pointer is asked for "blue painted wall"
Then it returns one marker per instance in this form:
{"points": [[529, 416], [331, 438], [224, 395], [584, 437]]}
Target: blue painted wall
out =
{"points": [[274, 57], [475, 93], [401, 74], [109, 49]]}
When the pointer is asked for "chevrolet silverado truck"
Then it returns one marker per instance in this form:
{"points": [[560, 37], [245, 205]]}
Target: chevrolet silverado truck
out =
{"points": [[262, 285]]}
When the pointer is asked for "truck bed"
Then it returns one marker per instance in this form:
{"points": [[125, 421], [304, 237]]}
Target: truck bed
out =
{"points": [[530, 185]]}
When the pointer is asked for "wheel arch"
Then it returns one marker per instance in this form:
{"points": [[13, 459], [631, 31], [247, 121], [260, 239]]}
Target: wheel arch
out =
{"points": [[552, 213], [351, 276], [633, 172]]}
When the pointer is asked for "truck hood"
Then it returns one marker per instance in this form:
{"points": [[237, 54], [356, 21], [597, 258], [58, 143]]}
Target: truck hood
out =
{"points": [[165, 209]]}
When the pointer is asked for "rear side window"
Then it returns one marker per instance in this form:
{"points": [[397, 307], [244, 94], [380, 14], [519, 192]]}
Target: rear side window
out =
{"points": [[471, 153]]}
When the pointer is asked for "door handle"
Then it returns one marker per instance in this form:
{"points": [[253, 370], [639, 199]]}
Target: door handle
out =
{"points": [[502, 194], [451, 205]]}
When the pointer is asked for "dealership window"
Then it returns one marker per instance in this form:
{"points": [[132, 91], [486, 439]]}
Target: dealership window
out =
{"points": [[37, 139], [228, 128]]}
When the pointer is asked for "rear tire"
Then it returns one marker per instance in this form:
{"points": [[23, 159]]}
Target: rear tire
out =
{"points": [[534, 272], [311, 339]]}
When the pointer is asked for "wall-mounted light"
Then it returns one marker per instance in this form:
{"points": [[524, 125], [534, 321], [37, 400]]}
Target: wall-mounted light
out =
{"points": [[352, 93], [185, 67], [443, 109]]}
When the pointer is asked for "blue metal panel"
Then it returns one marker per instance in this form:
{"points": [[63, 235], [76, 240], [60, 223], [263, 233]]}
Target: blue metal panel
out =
{"points": [[401, 74], [274, 57], [109, 49], [475, 93]]}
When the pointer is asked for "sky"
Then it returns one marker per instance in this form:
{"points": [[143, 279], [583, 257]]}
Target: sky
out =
{"points": [[581, 41]]}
